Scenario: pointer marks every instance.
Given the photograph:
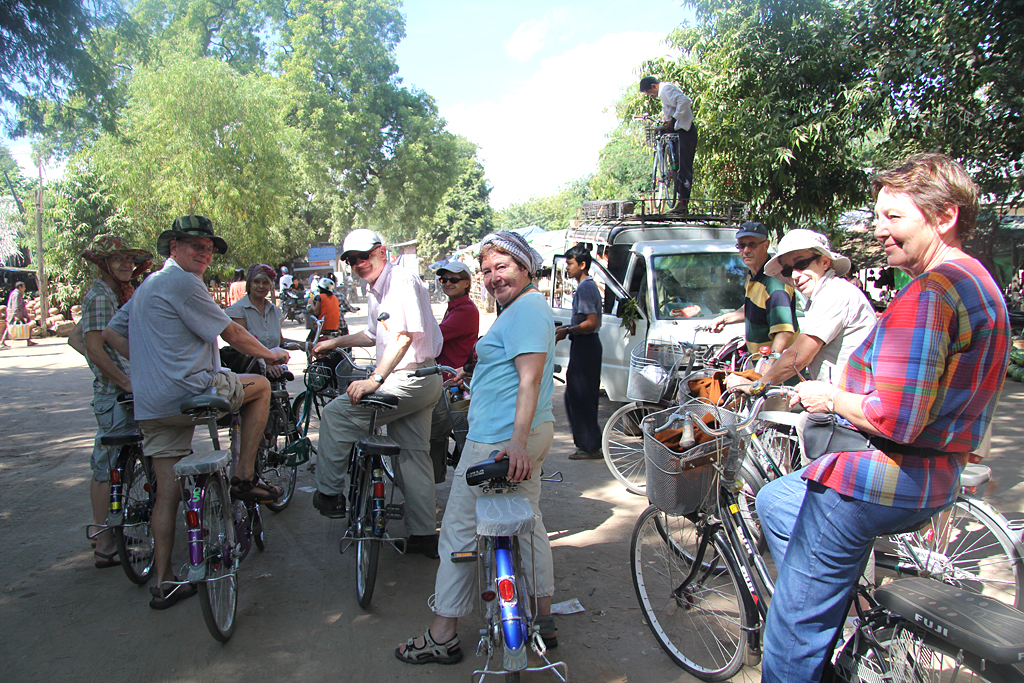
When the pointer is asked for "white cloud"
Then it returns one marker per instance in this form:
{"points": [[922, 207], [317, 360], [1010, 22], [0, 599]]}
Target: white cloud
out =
{"points": [[531, 36], [549, 130]]}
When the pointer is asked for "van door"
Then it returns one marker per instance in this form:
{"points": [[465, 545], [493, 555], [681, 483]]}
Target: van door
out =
{"points": [[616, 341]]}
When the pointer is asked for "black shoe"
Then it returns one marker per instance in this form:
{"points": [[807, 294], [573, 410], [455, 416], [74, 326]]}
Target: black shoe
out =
{"points": [[424, 545], [330, 506]]}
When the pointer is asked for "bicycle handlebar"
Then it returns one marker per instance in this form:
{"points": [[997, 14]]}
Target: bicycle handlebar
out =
{"points": [[773, 392], [433, 370]]}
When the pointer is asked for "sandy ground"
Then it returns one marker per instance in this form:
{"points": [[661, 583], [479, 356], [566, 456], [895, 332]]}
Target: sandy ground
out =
{"points": [[60, 618]]}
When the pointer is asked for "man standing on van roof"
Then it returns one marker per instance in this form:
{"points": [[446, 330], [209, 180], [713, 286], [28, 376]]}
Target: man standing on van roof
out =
{"points": [[769, 307], [677, 110]]}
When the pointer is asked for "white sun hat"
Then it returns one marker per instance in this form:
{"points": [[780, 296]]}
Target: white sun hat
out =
{"points": [[800, 239]]}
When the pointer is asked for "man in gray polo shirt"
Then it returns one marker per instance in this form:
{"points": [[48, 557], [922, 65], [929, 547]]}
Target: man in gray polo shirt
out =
{"points": [[169, 331]]}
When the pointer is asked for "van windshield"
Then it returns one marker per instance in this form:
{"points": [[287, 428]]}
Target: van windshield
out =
{"points": [[698, 285]]}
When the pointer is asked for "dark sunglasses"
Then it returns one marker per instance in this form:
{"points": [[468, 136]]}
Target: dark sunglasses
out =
{"points": [[449, 280], [787, 271], [358, 256]]}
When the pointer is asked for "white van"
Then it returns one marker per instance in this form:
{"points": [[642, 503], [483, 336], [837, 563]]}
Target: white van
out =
{"points": [[668, 269]]}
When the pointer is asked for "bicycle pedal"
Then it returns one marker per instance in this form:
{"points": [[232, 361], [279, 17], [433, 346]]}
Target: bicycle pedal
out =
{"points": [[469, 556], [395, 511]]}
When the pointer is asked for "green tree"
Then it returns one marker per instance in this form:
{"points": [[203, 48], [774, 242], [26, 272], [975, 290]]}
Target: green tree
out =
{"points": [[375, 150], [776, 87], [80, 206], [465, 214], [623, 167], [552, 212], [198, 137]]}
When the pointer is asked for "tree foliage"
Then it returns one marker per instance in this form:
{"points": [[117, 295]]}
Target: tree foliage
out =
{"points": [[464, 216], [623, 167], [198, 137], [775, 84], [551, 213]]}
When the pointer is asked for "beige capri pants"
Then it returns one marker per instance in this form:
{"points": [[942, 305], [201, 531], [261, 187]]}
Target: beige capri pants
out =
{"points": [[453, 590]]}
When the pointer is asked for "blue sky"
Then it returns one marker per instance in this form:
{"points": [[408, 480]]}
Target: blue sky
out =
{"points": [[532, 83]]}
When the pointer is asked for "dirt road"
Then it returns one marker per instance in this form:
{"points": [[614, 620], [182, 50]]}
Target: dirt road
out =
{"points": [[62, 619]]}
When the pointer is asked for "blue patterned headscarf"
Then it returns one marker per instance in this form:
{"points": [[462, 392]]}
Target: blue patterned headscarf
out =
{"points": [[517, 247]]}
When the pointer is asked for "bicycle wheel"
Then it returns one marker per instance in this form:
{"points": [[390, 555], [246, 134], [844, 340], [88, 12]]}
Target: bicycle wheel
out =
{"points": [[368, 550], [622, 443], [965, 546], [271, 463], [701, 625], [663, 184], [316, 408], [218, 593], [782, 447], [134, 537], [909, 655]]}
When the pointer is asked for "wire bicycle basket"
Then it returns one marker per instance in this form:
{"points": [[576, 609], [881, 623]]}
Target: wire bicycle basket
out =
{"points": [[681, 482]]}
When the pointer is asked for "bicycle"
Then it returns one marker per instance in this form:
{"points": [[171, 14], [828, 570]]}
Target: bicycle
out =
{"points": [[703, 588], [220, 532], [664, 169], [282, 448], [368, 506], [503, 516], [132, 495], [656, 382]]}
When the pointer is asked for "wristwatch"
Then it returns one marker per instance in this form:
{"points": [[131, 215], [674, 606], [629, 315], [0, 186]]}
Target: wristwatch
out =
{"points": [[377, 377], [758, 388], [830, 404]]}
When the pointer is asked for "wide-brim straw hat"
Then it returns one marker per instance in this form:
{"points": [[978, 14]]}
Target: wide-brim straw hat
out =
{"points": [[104, 246], [800, 239], [189, 226]]}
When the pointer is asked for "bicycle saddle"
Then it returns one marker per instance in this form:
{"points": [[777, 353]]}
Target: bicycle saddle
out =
{"points": [[486, 470], [208, 400], [379, 401]]}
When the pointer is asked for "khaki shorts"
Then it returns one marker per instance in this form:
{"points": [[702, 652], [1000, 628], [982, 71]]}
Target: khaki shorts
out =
{"points": [[171, 437]]}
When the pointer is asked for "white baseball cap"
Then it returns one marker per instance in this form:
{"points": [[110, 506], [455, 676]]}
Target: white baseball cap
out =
{"points": [[455, 267], [800, 239], [361, 239]]}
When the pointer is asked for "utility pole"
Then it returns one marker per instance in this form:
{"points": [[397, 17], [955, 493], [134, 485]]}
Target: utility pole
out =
{"points": [[44, 304]]}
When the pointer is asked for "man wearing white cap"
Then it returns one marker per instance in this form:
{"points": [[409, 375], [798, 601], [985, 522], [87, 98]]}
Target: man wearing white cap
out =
{"points": [[408, 339], [839, 316]]}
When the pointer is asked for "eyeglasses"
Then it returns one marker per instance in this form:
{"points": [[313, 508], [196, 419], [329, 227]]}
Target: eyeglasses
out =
{"points": [[449, 280], [356, 257], [787, 271], [201, 248], [749, 245]]}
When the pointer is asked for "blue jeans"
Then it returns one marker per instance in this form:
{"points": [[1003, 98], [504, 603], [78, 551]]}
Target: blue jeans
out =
{"points": [[820, 541]]}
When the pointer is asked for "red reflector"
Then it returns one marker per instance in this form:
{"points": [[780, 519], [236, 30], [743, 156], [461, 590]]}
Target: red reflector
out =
{"points": [[488, 595], [192, 518], [378, 490], [506, 589], [115, 477], [145, 487]]}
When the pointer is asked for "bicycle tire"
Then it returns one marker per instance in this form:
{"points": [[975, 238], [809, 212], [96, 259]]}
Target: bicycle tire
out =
{"points": [[134, 537], [622, 444], [316, 409], [661, 182], [921, 656], [218, 593], [969, 548], [367, 551], [271, 463], [704, 631], [782, 447], [257, 530]]}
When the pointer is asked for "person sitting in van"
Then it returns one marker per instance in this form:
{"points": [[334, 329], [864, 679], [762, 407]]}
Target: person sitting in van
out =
{"points": [[769, 307]]}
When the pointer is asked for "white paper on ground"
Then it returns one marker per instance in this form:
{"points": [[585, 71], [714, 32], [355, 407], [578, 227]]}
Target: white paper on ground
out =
{"points": [[568, 607]]}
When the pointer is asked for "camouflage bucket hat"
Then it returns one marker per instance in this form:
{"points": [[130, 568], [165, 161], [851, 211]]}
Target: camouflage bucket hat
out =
{"points": [[104, 246], [189, 226]]}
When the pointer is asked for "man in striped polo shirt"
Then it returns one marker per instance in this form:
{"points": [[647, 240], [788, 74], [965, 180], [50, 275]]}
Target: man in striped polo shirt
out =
{"points": [[769, 307]]}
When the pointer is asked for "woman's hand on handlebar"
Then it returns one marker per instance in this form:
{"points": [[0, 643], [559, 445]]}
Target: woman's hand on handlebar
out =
{"points": [[519, 466], [738, 383], [813, 396]]}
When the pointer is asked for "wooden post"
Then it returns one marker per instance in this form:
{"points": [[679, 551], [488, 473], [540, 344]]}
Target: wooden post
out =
{"points": [[44, 304]]}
